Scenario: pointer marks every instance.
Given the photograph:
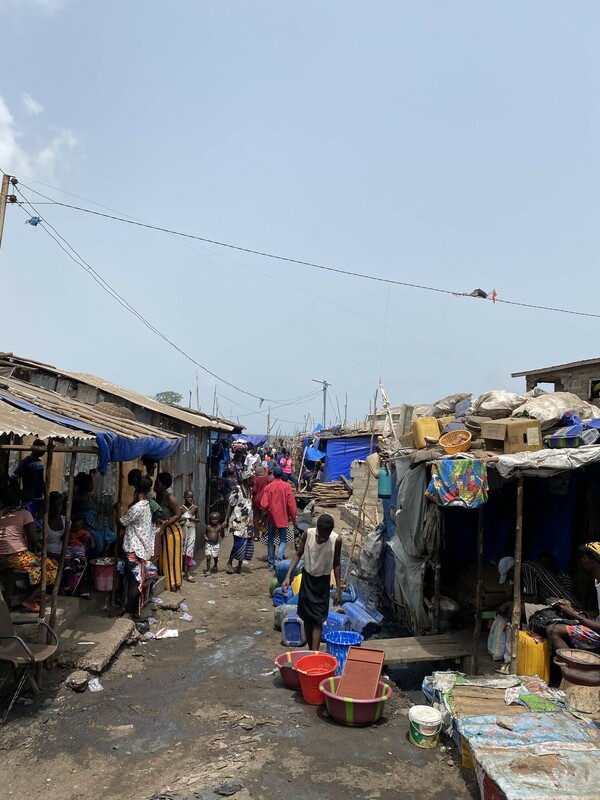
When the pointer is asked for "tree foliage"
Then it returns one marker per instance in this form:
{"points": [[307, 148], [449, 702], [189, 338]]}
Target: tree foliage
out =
{"points": [[170, 398]]}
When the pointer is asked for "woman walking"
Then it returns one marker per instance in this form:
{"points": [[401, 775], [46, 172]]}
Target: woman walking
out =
{"points": [[239, 522], [138, 544], [171, 535]]}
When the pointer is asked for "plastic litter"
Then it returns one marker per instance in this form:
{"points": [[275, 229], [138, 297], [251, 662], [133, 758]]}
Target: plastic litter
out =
{"points": [[151, 620], [184, 606], [24, 701], [257, 633], [166, 633], [212, 602], [95, 686], [148, 635], [201, 630], [186, 617], [157, 600]]}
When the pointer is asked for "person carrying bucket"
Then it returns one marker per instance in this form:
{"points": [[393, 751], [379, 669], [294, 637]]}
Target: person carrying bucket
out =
{"points": [[321, 548]]}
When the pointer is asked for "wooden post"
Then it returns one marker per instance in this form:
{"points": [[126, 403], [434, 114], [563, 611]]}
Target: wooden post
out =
{"points": [[3, 202], [65, 544], [361, 513], [44, 554], [118, 515], [516, 615], [478, 595]]}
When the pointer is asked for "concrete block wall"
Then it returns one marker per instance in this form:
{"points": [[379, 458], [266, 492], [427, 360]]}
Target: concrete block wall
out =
{"points": [[360, 489], [576, 380]]}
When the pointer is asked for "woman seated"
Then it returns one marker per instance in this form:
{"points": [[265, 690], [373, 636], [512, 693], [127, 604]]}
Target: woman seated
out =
{"points": [[20, 545]]}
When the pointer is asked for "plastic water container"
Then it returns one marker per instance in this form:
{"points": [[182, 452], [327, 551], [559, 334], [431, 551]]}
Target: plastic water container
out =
{"points": [[280, 597], [372, 612], [425, 724], [361, 621], [292, 629], [103, 577], [280, 613], [281, 569], [338, 644], [425, 427], [348, 595], [336, 622]]}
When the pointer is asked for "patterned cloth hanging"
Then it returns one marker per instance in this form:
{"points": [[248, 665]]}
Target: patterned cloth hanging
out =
{"points": [[458, 482]]}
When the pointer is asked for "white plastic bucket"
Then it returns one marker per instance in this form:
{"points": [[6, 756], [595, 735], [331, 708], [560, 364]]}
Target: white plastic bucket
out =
{"points": [[425, 726]]}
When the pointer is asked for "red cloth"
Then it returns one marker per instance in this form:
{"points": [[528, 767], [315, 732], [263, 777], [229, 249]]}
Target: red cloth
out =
{"points": [[278, 499], [260, 484]]}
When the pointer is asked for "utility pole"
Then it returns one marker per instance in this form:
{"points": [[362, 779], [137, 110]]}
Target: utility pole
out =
{"points": [[215, 402], [268, 426], [197, 393], [325, 387], [3, 202], [346, 411]]}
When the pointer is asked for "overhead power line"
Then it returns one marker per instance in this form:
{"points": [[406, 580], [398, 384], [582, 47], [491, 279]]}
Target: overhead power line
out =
{"points": [[311, 264], [105, 286]]}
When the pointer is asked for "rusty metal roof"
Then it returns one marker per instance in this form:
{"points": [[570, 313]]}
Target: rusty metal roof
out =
{"points": [[22, 423], [197, 419], [590, 362]]}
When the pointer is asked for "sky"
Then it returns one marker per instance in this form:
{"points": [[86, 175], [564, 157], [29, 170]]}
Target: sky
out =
{"points": [[453, 145]]}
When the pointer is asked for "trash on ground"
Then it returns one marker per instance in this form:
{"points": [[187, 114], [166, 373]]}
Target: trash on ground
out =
{"points": [[157, 600], [257, 633], [95, 686], [184, 606], [212, 602], [201, 630], [186, 617], [166, 633], [151, 620]]}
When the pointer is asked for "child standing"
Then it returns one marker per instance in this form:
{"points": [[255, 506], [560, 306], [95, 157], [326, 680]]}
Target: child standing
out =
{"points": [[214, 530], [76, 563], [189, 520]]}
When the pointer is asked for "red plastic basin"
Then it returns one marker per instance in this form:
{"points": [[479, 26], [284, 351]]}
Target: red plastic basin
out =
{"points": [[312, 670]]}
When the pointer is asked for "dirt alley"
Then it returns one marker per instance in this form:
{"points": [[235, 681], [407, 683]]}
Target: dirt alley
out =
{"points": [[206, 708]]}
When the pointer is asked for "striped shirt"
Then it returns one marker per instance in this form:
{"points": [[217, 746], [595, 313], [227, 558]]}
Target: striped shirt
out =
{"points": [[536, 579]]}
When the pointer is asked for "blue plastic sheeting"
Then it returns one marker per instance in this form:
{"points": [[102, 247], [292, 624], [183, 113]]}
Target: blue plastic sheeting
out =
{"points": [[342, 452], [257, 441], [314, 454], [111, 446]]}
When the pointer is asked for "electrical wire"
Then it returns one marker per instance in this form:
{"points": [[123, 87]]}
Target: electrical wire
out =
{"points": [[81, 262], [311, 264]]}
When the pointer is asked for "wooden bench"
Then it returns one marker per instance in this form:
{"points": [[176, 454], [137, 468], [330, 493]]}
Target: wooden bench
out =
{"points": [[8, 580], [414, 649]]}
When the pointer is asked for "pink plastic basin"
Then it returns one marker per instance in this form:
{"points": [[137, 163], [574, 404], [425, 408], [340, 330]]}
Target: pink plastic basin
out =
{"points": [[286, 662], [355, 713]]}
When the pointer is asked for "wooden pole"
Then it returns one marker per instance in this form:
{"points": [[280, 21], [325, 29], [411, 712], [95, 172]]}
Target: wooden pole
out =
{"points": [[65, 544], [516, 615], [361, 513], [118, 515], [3, 202], [478, 595], [56, 448], [44, 554]]}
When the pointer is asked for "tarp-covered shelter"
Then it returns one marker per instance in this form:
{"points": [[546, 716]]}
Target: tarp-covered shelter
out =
{"points": [[342, 451]]}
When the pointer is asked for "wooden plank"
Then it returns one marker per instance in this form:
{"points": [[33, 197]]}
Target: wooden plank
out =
{"points": [[412, 649]]}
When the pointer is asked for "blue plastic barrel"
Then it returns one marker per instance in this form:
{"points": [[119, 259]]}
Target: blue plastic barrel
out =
{"points": [[292, 629], [338, 644], [281, 569], [336, 622], [361, 621], [372, 612]]}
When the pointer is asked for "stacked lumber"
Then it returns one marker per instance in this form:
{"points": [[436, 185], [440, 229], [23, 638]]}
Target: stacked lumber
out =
{"points": [[330, 494]]}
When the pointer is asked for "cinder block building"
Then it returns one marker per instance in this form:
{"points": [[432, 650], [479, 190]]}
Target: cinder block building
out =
{"points": [[579, 377]]}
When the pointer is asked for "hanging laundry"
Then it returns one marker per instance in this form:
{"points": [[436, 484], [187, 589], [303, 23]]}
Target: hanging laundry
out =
{"points": [[458, 482]]}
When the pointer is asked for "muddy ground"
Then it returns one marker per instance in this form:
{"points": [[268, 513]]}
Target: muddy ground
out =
{"points": [[206, 709]]}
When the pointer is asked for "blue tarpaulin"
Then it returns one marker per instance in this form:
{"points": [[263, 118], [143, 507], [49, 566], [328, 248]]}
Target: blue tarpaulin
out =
{"points": [[313, 454], [342, 452], [112, 447], [257, 441]]}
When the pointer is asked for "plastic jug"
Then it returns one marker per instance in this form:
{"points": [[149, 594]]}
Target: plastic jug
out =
{"points": [[292, 629], [360, 620]]}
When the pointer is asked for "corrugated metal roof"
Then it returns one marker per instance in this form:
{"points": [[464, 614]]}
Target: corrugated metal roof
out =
{"points": [[191, 418], [25, 423], [558, 367], [74, 409]]}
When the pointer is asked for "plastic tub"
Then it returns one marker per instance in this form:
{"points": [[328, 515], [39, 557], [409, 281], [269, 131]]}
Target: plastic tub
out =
{"points": [[425, 724], [312, 670], [338, 644], [355, 713], [362, 622], [286, 663]]}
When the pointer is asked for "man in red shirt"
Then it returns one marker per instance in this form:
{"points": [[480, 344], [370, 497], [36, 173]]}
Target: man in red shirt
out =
{"points": [[279, 502]]}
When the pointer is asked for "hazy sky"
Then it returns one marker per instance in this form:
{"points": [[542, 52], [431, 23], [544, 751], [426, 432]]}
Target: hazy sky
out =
{"points": [[453, 144]]}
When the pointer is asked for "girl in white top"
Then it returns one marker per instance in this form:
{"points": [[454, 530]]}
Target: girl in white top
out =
{"points": [[321, 548], [138, 545]]}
